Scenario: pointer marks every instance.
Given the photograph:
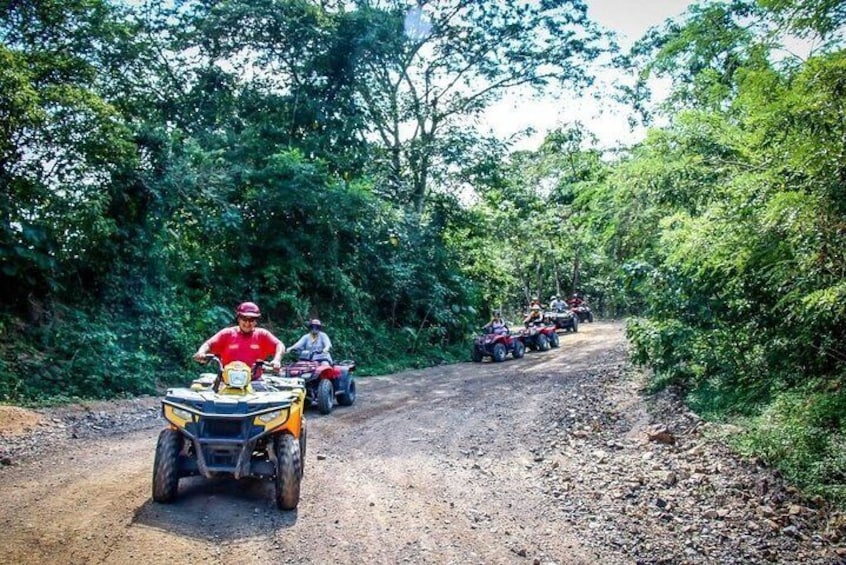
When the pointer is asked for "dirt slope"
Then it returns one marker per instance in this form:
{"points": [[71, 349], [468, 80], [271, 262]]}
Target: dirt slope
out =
{"points": [[542, 460]]}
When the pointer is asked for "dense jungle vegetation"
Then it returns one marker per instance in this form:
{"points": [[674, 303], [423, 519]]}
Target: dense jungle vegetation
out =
{"points": [[161, 162]]}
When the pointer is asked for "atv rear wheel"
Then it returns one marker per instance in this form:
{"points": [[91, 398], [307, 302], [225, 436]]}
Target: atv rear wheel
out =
{"points": [[476, 355], [325, 396], [543, 343], [166, 466], [289, 469], [553, 339], [519, 349], [347, 397], [499, 352]]}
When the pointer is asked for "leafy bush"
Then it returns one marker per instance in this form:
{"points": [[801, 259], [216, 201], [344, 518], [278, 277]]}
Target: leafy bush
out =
{"points": [[802, 433], [77, 355]]}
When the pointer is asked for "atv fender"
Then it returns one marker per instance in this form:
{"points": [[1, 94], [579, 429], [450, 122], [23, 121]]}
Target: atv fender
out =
{"points": [[345, 392], [343, 378], [329, 372]]}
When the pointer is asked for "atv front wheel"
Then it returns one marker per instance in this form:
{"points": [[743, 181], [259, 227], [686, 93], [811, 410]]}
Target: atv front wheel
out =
{"points": [[325, 396], [543, 343], [499, 352], [347, 397], [288, 472], [519, 349], [575, 327], [590, 317], [166, 466], [476, 355], [303, 443], [553, 339]]}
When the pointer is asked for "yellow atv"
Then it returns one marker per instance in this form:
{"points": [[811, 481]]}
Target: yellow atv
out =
{"points": [[221, 426]]}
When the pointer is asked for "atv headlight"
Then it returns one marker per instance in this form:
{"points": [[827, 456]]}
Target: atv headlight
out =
{"points": [[269, 416], [179, 417], [238, 378], [275, 417]]}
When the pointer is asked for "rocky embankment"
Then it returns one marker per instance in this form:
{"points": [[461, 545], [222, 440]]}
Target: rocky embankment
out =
{"points": [[650, 479]]}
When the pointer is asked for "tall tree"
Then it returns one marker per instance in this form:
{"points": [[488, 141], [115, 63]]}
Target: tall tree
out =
{"points": [[529, 233], [63, 147], [429, 69], [411, 77]]}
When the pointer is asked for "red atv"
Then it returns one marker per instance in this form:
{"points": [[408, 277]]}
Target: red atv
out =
{"points": [[496, 344], [324, 382], [539, 336], [584, 313], [581, 309]]}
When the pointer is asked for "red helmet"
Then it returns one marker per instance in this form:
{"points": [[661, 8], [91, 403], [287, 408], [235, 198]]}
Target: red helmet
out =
{"points": [[248, 310], [315, 323]]}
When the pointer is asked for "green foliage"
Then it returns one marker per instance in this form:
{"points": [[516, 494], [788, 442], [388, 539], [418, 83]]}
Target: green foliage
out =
{"points": [[150, 186], [427, 73], [59, 360], [802, 432], [735, 246], [64, 147], [530, 233], [818, 19]]}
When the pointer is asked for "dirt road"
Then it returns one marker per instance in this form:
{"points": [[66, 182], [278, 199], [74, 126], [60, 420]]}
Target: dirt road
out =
{"points": [[541, 460]]}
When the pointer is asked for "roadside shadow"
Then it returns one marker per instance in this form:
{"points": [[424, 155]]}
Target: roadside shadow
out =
{"points": [[217, 510]]}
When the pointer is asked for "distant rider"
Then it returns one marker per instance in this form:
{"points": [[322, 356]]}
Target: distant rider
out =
{"points": [[556, 304], [575, 300], [244, 342], [315, 341], [496, 325], [535, 315]]}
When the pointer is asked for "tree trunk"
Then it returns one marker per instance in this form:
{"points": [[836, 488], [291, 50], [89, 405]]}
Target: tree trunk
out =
{"points": [[557, 280], [576, 266]]}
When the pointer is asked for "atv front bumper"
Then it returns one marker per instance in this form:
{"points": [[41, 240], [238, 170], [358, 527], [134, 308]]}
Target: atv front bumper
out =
{"points": [[225, 443]]}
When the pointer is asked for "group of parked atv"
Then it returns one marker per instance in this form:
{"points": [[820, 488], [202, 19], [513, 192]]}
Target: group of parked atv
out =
{"points": [[228, 425], [541, 335]]}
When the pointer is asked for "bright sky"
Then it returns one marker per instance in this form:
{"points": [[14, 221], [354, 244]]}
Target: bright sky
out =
{"points": [[606, 119]]}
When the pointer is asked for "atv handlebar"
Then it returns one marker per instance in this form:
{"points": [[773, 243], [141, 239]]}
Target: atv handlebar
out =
{"points": [[268, 367], [306, 355], [212, 357]]}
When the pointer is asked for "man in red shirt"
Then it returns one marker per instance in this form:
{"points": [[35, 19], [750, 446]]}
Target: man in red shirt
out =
{"points": [[244, 342]]}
